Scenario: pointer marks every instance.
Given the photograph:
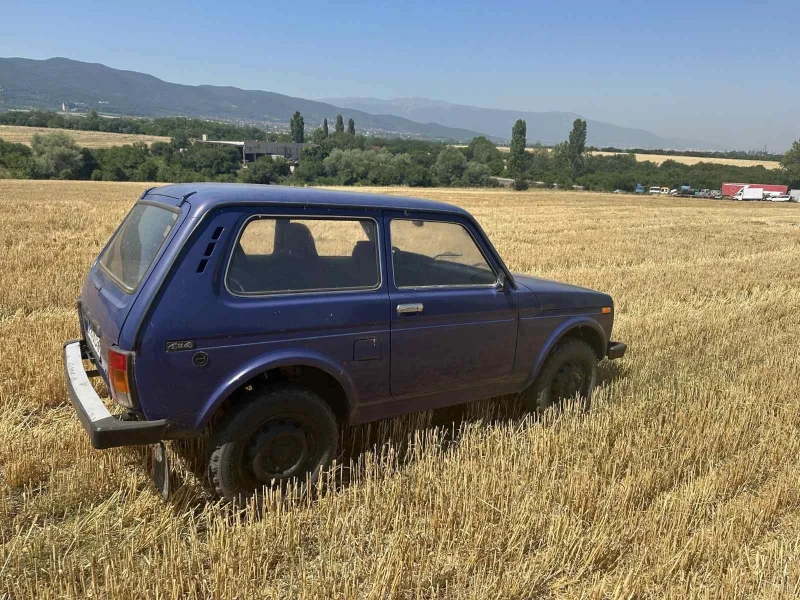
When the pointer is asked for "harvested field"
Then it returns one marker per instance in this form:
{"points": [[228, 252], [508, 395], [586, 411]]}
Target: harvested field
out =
{"points": [[87, 139], [687, 160], [681, 483], [693, 160]]}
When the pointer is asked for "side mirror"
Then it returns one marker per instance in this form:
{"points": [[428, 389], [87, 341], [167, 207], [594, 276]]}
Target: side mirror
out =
{"points": [[501, 281]]}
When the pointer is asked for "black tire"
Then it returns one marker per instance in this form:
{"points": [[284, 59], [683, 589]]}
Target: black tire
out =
{"points": [[569, 371], [282, 434]]}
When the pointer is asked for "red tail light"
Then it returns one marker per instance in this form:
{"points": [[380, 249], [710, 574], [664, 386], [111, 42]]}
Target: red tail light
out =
{"points": [[118, 376]]}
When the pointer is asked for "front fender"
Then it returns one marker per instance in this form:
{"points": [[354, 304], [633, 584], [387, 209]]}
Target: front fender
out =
{"points": [[558, 333], [272, 360]]}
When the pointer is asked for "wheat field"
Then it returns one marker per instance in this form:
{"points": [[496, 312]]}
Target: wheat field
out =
{"points": [[693, 160], [682, 482], [87, 139], [686, 160]]}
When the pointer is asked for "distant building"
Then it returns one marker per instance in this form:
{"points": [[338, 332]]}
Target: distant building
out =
{"points": [[253, 149]]}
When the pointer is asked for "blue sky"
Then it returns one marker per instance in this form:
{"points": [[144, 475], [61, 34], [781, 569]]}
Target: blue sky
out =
{"points": [[726, 72]]}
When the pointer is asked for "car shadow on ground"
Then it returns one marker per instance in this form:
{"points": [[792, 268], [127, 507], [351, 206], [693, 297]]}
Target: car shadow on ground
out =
{"points": [[362, 446]]}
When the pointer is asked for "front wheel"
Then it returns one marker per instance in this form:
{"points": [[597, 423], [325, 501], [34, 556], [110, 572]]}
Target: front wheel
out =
{"points": [[281, 435], [569, 372]]}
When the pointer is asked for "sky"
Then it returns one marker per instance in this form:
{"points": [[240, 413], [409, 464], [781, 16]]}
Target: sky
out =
{"points": [[722, 72]]}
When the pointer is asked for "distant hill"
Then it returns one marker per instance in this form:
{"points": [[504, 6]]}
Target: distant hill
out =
{"points": [[545, 127], [46, 84]]}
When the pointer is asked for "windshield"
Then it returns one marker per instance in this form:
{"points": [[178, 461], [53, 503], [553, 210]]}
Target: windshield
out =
{"points": [[136, 244]]}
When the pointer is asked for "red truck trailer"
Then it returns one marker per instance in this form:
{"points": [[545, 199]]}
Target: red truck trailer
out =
{"points": [[730, 189]]}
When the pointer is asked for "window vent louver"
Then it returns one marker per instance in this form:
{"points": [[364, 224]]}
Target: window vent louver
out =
{"points": [[210, 249]]}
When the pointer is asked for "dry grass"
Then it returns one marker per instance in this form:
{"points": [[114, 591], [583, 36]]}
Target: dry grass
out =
{"points": [[686, 160], [88, 139], [682, 482], [693, 160]]}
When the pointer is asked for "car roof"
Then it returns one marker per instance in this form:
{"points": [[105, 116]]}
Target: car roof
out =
{"points": [[204, 196]]}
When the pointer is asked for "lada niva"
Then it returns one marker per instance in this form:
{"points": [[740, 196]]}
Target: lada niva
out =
{"points": [[270, 317]]}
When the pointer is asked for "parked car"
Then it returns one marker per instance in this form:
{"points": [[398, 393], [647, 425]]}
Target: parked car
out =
{"points": [[781, 198], [656, 189], [271, 317]]}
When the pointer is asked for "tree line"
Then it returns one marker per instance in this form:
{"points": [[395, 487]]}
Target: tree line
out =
{"points": [[344, 157]]}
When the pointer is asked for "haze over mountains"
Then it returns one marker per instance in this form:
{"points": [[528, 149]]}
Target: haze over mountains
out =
{"points": [[46, 84], [545, 127]]}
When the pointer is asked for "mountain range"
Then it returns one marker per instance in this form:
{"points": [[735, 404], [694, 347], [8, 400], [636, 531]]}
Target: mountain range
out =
{"points": [[546, 127], [47, 84]]}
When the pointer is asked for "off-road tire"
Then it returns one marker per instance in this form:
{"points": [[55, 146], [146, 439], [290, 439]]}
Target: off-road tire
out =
{"points": [[540, 396], [227, 472]]}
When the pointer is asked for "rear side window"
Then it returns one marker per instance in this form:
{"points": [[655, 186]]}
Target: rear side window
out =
{"points": [[136, 244], [291, 255], [436, 254]]}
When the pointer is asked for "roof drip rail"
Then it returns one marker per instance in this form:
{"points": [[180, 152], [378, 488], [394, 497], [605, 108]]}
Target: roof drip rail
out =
{"points": [[187, 196]]}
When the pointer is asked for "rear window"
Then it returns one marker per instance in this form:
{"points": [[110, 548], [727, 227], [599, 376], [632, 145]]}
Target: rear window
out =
{"points": [[136, 244]]}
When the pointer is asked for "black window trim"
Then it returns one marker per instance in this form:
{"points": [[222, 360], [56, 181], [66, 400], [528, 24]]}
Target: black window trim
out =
{"points": [[447, 286], [305, 217], [128, 290]]}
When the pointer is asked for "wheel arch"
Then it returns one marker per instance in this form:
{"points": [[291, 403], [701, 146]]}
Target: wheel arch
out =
{"points": [[581, 328], [316, 371]]}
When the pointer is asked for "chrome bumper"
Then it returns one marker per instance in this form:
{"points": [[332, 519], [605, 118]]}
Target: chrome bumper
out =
{"points": [[104, 429]]}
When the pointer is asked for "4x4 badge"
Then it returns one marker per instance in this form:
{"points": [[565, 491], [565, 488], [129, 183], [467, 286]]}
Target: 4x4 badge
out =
{"points": [[179, 345]]}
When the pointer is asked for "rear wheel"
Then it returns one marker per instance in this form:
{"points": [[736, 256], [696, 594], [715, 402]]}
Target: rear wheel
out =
{"points": [[569, 372], [283, 434]]}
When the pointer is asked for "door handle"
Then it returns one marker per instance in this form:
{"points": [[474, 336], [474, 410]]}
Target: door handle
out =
{"points": [[409, 309]]}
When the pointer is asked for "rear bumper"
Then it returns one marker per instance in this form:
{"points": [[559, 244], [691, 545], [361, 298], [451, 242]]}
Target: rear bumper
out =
{"points": [[105, 430], [616, 350]]}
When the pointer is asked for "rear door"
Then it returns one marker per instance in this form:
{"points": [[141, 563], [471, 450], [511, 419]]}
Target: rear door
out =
{"points": [[114, 281], [452, 326]]}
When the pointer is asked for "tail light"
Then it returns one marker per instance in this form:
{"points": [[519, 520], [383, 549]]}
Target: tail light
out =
{"points": [[119, 367]]}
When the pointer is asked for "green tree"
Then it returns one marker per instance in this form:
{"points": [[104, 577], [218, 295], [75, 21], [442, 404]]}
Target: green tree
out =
{"points": [[55, 155], [339, 128], [297, 128], [15, 158], [576, 146], [481, 150], [351, 127], [449, 166], [790, 164], [516, 157], [477, 175], [264, 170], [325, 127], [318, 136]]}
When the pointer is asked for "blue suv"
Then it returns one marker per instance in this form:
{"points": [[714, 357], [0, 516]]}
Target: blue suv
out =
{"points": [[271, 317]]}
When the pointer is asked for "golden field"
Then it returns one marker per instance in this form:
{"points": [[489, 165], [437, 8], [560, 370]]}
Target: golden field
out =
{"points": [[87, 139], [693, 160], [682, 482], [686, 160]]}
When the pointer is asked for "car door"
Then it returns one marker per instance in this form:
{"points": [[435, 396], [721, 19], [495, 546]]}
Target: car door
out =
{"points": [[452, 325]]}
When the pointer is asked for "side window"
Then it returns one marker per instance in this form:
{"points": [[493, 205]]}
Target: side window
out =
{"points": [[433, 253], [288, 255]]}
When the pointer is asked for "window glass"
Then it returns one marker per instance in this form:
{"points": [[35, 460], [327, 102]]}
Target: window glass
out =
{"points": [[301, 255], [433, 253], [136, 244]]}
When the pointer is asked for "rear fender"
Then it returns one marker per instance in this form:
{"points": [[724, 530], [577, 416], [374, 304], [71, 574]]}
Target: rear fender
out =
{"points": [[557, 335], [273, 360]]}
